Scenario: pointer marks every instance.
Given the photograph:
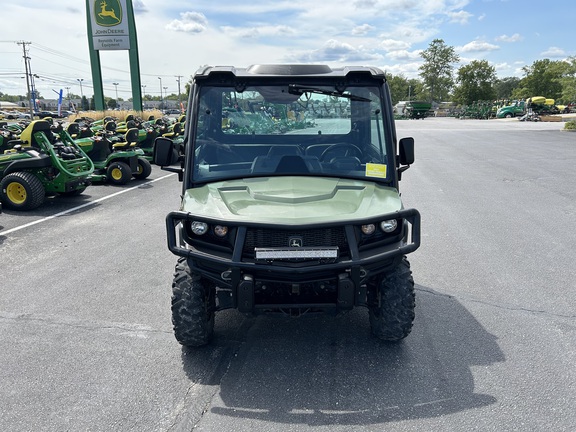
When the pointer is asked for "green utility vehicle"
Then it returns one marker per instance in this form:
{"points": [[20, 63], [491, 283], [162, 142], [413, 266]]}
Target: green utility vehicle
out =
{"points": [[290, 200], [43, 161], [116, 158]]}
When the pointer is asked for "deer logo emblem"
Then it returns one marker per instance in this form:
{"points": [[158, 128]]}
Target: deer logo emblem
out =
{"points": [[110, 12]]}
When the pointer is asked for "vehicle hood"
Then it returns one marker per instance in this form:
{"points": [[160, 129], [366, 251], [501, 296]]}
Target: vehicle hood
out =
{"points": [[291, 200]]}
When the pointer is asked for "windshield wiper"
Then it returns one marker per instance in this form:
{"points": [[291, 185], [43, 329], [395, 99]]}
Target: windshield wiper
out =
{"points": [[300, 90]]}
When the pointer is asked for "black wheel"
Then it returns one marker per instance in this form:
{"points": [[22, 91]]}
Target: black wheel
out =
{"points": [[193, 307], [118, 173], [392, 311], [144, 169], [508, 115], [22, 191]]}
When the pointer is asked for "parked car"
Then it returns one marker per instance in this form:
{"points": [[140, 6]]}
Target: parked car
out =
{"points": [[172, 111], [44, 114], [9, 115], [20, 115]]}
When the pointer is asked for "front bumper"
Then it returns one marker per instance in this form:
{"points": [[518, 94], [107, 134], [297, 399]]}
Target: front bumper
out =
{"points": [[354, 258], [244, 276]]}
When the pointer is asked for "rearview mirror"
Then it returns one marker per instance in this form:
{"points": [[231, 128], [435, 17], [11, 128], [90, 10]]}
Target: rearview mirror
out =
{"points": [[406, 149], [163, 151]]}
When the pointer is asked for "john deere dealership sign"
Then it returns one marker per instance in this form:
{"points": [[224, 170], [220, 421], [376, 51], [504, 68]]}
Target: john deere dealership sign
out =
{"points": [[109, 25]]}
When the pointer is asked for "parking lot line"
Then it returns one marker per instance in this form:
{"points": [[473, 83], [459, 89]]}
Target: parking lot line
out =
{"points": [[65, 212]]}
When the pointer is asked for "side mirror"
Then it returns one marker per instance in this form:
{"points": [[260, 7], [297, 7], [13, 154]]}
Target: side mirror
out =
{"points": [[163, 152], [406, 149]]}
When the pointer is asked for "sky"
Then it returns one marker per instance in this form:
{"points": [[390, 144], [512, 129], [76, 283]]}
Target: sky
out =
{"points": [[176, 37]]}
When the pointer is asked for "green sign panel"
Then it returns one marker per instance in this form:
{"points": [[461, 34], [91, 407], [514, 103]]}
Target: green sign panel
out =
{"points": [[109, 28]]}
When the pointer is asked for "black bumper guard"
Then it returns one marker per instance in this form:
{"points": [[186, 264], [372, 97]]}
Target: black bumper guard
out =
{"points": [[412, 216]]}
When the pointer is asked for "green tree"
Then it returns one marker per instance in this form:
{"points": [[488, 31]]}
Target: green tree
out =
{"points": [[568, 82], [505, 86], [112, 103], [437, 70], [544, 78], [84, 103], [475, 82], [402, 88]]}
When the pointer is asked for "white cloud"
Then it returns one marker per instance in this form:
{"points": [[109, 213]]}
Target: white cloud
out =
{"points": [[404, 55], [477, 46], [460, 17], [258, 32], [189, 22], [409, 70], [362, 30], [514, 38], [394, 45], [336, 51], [139, 7], [554, 52]]}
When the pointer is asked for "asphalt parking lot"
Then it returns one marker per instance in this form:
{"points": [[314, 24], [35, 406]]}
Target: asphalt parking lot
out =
{"points": [[86, 340]]}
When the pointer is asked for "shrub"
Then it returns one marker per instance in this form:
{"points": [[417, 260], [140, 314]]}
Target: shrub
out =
{"points": [[570, 125]]}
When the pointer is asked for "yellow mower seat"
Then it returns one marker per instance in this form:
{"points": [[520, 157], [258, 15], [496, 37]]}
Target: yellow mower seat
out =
{"points": [[35, 126]]}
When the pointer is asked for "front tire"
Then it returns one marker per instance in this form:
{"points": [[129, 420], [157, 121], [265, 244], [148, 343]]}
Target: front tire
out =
{"points": [[118, 173], [392, 312], [144, 169], [22, 191], [193, 305]]}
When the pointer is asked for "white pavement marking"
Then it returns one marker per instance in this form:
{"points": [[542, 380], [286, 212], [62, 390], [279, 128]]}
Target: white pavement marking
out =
{"points": [[18, 228]]}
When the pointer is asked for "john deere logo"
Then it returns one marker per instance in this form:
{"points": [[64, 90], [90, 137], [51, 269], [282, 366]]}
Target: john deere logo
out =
{"points": [[110, 12], [295, 242]]}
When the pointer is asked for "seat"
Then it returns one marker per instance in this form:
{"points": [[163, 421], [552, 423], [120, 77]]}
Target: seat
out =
{"points": [[73, 130], [176, 130], [34, 127]]}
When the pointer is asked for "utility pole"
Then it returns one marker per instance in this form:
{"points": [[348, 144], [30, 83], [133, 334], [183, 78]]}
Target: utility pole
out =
{"points": [[81, 94], [31, 96], [68, 96], [178, 81], [161, 98], [116, 85]]}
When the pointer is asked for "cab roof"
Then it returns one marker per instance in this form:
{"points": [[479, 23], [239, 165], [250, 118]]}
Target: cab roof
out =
{"points": [[293, 70]]}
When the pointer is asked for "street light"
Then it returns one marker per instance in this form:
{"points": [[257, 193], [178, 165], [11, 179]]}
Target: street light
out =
{"points": [[144, 93], [116, 85], [165, 94], [178, 81], [81, 93], [161, 98]]}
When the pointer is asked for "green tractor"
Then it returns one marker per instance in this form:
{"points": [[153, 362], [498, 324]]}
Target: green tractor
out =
{"points": [[115, 160], [43, 161]]}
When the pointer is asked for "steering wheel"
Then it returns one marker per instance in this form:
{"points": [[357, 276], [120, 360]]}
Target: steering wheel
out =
{"points": [[347, 146]]}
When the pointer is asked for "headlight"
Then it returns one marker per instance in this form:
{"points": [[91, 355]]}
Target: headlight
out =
{"points": [[199, 228], [220, 230], [389, 226], [368, 229]]}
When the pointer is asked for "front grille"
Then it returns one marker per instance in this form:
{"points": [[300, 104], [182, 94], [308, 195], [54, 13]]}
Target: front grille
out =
{"points": [[278, 238]]}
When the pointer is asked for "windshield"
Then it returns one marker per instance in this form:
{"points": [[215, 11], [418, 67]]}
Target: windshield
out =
{"points": [[289, 130]]}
